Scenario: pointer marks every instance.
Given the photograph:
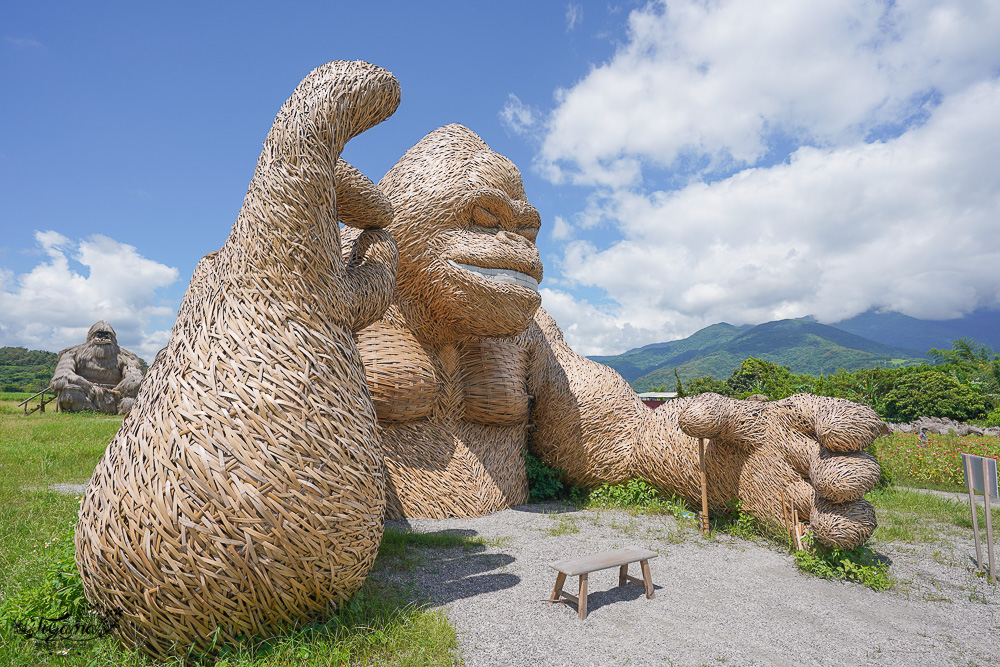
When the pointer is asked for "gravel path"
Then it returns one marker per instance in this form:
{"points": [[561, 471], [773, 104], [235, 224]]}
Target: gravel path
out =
{"points": [[724, 601]]}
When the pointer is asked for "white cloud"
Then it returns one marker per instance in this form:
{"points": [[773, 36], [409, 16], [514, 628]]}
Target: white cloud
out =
{"points": [[23, 42], [562, 230], [759, 160], [574, 15], [517, 116], [909, 224], [718, 82], [53, 305], [589, 329]]}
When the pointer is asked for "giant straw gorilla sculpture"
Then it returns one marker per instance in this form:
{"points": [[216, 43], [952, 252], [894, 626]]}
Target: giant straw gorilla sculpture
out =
{"points": [[244, 492], [466, 370], [97, 375]]}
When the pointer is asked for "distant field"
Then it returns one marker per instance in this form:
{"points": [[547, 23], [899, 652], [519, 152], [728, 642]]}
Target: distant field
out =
{"points": [[936, 465]]}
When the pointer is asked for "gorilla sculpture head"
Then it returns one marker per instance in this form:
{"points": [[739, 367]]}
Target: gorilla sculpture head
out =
{"points": [[468, 265], [103, 339]]}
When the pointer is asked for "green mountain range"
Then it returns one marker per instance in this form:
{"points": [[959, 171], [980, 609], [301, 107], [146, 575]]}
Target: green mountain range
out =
{"points": [[982, 325], [802, 345]]}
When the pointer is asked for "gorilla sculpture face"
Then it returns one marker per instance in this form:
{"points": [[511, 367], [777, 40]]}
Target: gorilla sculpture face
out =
{"points": [[102, 338], [466, 234]]}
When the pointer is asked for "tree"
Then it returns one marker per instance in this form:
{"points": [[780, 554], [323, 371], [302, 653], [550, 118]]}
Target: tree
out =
{"points": [[933, 394], [706, 384], [757, 376], [680, 387]]}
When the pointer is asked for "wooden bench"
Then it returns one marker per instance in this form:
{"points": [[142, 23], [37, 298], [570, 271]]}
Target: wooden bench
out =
{"points": [[584, 565]]}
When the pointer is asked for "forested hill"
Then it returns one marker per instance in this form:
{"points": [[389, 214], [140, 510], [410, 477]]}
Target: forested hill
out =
{"points": [[25, 370], [802, 345], [896, 329]]}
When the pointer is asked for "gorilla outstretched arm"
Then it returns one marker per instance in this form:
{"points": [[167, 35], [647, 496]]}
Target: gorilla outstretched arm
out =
{"points": [[587, 422]]}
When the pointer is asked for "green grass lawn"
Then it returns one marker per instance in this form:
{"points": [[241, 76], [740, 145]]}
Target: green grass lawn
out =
{"points": [[381, 625]]}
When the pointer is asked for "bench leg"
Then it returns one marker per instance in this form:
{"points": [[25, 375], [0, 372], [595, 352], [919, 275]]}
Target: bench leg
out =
{"points": [[557, 591], [582, 604], [623, 574], [647, 578]]}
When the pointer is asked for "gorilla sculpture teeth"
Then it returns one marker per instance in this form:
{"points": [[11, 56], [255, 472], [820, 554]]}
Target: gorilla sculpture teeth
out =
{"points": [[506, 276]]}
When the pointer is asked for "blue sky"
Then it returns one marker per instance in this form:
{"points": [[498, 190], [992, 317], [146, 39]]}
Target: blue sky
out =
{"points": [[693, 162]]}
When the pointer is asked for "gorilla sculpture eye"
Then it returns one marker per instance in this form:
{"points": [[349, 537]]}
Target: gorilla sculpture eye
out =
{"points": [[483, 218], [530, 233]]}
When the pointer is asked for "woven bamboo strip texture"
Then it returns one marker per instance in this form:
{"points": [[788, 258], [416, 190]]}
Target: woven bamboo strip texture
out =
{"points": [[449, 384], [466, 371], [589, 423], [244, 492]]}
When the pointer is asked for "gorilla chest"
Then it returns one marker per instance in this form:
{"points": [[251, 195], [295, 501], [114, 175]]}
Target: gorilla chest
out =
{"points": [[99, 370], [480, 382]]}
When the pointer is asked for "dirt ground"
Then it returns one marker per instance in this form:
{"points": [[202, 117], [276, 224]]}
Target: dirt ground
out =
{"points": [[719, 601]]}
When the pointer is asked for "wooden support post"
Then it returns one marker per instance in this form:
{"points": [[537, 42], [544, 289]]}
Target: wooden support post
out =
{"points": [[989, 517], [784, 517], [705, 529], [582, 599], [798, 529], [975, 518], [623, 575]]}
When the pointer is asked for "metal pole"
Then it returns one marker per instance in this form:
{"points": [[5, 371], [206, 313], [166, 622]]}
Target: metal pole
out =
{"points": [[975, 519], [989, 518]]}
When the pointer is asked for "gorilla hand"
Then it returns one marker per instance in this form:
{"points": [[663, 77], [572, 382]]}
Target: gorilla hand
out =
{"points": [[809, 448]]}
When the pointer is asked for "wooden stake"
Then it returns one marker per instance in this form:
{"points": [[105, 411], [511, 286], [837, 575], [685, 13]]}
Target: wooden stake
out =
{"points": [[989, 517], [704, 487], [784, 512]]}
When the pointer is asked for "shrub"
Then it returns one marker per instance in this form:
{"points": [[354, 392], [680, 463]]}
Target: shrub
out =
{"points": [[706, 384], [757, 376], [932, 394], [56, 610], [860, 564], [544, 483], [634, 493]]}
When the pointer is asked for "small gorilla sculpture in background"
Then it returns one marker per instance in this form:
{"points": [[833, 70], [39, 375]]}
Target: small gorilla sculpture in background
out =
{"points": [[97, 375]]}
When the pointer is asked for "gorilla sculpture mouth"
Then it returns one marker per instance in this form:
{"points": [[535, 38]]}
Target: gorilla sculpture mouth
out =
{"points": [[504, 276]]}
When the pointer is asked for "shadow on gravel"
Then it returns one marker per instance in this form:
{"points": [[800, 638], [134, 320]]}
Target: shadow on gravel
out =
{"points": [[453, 573], [546, 508], [601, 598]]}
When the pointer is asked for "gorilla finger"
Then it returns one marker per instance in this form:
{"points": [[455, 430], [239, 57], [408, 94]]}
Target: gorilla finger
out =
{"points": [[371, 276], [359, 201], [713, 416], [843, 526], [845, 477], [840, 425]]}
